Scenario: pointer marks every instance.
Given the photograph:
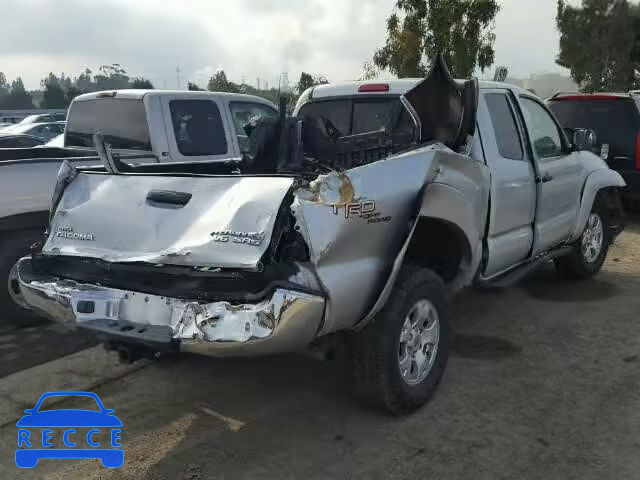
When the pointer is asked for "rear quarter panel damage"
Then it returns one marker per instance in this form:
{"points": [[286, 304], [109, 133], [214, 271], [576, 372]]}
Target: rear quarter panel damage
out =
{"points": [[357, 222]]}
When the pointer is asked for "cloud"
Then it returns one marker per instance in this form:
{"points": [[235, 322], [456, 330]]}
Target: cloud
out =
{"points": [[246, 38], [98, 32]]}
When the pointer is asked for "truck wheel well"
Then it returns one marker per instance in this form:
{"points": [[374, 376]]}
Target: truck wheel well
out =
{"points": [[440, 246], [609, 198]]}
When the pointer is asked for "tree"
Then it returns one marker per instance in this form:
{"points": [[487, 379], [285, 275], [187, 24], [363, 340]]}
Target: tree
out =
{"points": [[65, 82], [4, 86], [307, 81], [53, 97], [461, 29], [369, 71], [193, 87], [600, 43], [72, 93], [18, 98], [219, 83], [111, 77], [83, 82], [141, 83]]}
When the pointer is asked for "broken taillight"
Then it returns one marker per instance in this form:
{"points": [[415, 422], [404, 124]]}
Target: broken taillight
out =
{"points": [[373, 87]]}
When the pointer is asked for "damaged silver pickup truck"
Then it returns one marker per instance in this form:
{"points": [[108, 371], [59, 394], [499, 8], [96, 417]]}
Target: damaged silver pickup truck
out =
{"points": [[358, 218]]}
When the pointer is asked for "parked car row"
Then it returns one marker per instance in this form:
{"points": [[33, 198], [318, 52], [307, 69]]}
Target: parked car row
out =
{"points": [[29, 134], [35, 118]]}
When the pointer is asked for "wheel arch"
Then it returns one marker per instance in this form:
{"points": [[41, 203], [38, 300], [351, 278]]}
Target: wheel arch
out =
{"points": [[601, 185], [447, 222]]}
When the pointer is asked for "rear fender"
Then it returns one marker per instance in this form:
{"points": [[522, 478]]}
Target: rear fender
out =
{"points": [[596, 181], [465, 214]]}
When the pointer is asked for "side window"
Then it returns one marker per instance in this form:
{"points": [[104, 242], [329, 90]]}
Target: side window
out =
{"points": [[244, 113], [198, 127], [543, 131], [504, 126]]}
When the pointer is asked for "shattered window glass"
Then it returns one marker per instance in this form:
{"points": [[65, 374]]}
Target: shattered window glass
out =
{"points": [[338, 112], [245, 113], [356, 116]]}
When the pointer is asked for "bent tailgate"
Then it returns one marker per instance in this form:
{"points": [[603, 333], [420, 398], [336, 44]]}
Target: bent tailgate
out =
{"points": [[223, 222]]}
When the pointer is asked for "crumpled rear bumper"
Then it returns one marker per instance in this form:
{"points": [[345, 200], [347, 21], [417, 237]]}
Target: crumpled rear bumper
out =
{"points": [[286, 321]]}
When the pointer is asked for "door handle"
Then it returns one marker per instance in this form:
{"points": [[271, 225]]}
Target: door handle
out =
{"points": [[179, 199], [546, 178]]}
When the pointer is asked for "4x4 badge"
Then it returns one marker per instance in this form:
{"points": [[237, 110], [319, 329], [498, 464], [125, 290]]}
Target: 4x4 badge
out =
{"points": [[250, 238]]}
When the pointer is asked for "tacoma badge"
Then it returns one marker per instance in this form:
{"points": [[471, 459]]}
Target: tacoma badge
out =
{"points": [[67, 232]]}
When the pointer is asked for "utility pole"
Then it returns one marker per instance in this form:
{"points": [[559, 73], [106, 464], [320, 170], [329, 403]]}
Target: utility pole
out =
{"points": [[258, 82], [178, 74], [283, 82]]}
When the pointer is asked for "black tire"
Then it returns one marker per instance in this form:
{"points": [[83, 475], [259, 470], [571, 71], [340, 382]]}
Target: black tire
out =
{"points": [[377, 378], [575, 265], [13, 246]]}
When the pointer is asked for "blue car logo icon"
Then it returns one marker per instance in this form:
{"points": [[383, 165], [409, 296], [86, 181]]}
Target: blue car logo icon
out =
{"points": [[39, 428]]}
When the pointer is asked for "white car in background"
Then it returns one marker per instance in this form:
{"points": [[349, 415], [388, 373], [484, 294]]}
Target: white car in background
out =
{"points": [[45, 131]]}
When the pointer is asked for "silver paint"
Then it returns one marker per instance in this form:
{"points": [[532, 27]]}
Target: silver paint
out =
{"points": [[242, 208], [592, 238], [418, 343], [344, 249]]}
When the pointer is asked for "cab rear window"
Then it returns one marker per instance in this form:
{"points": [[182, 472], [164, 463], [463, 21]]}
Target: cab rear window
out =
{"points": [[122, 122], [353, 116]]}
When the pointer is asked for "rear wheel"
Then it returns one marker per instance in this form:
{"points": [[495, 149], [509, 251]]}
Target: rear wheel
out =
{"points": [[400, 358], [590, 251], [14, 246]]}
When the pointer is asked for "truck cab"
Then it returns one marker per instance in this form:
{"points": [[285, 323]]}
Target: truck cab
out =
{"points": [[537, 173], [175, 126]]}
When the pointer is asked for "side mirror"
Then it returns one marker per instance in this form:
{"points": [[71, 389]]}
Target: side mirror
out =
{"points": [[583, 139]]}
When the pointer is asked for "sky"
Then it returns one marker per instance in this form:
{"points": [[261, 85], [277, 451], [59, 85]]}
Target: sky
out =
{"points": [[248, 39]]}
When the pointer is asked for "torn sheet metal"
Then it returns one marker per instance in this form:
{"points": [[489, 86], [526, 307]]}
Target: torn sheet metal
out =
{"points": [[223, 222], [353, 237], [445, 108]]}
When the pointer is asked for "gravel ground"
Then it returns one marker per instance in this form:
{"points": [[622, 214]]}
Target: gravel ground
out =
{"points": [[22, 348], [542, 384]]}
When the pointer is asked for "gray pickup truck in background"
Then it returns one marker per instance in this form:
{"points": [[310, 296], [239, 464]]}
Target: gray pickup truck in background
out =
{"points": [[356, 219], [141, 125]]}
